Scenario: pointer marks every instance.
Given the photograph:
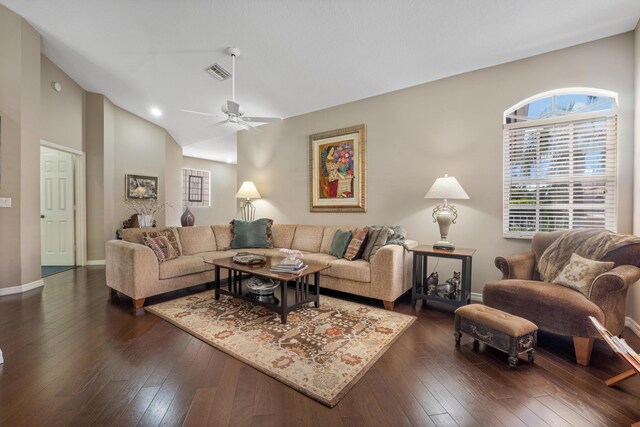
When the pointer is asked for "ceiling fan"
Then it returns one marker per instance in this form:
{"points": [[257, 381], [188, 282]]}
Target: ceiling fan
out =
{"points": [[232, 110]]}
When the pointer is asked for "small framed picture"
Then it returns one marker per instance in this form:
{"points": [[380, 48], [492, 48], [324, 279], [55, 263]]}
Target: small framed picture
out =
{"points": [[141, 187]]}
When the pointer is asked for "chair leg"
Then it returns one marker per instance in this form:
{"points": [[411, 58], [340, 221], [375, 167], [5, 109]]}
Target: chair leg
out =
{"points": [[583, 348], [388, 305]]}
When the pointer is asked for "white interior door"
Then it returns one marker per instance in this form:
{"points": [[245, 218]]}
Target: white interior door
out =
{"points": [[56, 207]]}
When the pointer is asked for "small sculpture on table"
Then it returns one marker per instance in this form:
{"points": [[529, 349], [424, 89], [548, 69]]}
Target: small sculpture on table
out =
{"points": [[432, 283], [455, 282]]}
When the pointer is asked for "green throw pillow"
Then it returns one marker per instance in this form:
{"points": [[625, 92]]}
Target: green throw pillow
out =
{"points": [[339, 243], [251, 234]]}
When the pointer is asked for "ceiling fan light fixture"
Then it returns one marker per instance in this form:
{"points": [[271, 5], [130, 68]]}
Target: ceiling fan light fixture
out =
{"points": [[218, 72]]}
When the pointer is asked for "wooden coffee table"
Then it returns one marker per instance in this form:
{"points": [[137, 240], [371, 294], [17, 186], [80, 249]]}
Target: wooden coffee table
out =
{"points": [[300, 284]]}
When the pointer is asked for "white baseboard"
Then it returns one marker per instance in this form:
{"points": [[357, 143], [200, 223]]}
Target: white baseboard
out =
{"points": [[633, 325], [1, 359], [96, 262], [477, 297], [21, 288]]}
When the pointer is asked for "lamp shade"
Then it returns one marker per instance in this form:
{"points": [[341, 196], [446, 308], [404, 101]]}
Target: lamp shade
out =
{"points": [[248, 190], [446, 187]]}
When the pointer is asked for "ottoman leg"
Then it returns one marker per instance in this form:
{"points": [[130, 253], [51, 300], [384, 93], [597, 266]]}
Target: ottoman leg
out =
{"points": [[457, 335], [513, 361]]}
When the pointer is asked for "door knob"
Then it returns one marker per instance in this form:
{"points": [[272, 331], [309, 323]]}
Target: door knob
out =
{"points": [[41, 216]]}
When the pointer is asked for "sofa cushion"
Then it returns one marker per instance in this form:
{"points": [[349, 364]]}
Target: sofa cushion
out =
{"points": [[580, 273], [327, 236], [557, 309], [358, 271], [252, 234], [308, 238], [283, 235], [161, 247], [134, 235], [224, 236], [197, 239], [356, 245], [318, 258], [170, 233], [181, 266], [341, 240]]}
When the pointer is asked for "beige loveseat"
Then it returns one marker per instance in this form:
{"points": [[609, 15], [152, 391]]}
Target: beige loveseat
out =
{"points": [[133, 269]]}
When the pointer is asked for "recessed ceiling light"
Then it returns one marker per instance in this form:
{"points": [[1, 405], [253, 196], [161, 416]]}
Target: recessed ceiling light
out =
{"points": [[229, 160], [156, 112]]}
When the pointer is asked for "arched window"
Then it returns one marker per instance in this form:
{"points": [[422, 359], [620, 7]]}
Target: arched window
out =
{"points": [[560, 162]]}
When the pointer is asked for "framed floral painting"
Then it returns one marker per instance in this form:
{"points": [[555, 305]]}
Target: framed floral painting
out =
{"points": [[338, 170], [141, 187]]}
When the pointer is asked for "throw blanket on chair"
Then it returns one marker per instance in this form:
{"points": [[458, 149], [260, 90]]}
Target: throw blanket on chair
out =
{"points": [[588, 243]]}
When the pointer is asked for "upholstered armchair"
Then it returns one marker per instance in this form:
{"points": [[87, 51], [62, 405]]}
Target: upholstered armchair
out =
{"points": [[559, 309]]}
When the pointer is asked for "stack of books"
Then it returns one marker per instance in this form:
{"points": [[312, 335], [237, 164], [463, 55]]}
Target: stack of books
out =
{"points": [[289, 266]]}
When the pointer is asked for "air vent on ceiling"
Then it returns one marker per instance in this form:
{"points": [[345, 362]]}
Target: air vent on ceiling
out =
{"points": [[218, 72]]}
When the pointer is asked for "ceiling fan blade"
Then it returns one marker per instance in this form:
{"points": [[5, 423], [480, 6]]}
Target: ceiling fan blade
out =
{"points": [[233, 108], [262, 119], [218, 123], [248, 126], [199, 112]]}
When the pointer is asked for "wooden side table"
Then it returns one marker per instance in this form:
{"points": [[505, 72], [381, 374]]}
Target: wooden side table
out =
{"points": [[455, 297]]}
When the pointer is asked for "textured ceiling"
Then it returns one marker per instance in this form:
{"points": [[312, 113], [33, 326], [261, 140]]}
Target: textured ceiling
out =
{"points": [[297, 56]]}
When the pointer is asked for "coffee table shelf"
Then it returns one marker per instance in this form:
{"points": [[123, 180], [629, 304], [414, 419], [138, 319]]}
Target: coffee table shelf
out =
{"points": [[295, 290]]}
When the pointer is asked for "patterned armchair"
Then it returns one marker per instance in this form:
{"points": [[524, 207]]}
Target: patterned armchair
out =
{"points": [[561, 310]]}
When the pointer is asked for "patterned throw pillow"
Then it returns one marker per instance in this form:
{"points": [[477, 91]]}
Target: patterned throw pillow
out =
{"points": [[170, 233], [252, 234], [161, 246], [580, 273], [377, 239], [358, 238]]}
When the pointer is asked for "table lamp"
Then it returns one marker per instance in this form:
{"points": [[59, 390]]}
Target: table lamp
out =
{"points": [[247, 191], [446, 187]]}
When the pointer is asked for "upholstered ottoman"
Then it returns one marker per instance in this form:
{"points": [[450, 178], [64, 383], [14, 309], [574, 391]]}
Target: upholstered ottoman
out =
{"points": [[504, 331]]}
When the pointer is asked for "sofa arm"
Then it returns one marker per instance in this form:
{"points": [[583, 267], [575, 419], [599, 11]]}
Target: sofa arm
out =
{"points": [[518, 266], [390, 271], [131, 268]]}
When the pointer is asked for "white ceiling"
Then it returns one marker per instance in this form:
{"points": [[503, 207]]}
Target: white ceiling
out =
{"points": [[297, 56]]}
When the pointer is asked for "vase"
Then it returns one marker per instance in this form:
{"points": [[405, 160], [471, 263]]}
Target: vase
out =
{"points": [[145, 220], [187, 219]]}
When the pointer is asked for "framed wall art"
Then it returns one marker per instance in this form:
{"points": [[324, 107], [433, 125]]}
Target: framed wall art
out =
{"points": [[141, 187], [195, 188], [338, 170]]}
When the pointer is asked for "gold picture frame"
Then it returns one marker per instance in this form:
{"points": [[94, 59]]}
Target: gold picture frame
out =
{"points": [[338, 170]]}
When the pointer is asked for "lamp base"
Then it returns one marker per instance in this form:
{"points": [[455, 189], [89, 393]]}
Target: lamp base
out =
{"points": [[444, 245]]}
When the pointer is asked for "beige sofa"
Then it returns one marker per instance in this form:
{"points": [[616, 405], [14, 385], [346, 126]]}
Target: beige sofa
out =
{"points": [[133, 269]]}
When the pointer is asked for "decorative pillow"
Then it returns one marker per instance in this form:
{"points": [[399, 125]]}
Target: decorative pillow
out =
{"points": [[170, 233], [161, 246], [580, 273], [339, 243], [252, 234], [377, 239], [356, 243]]}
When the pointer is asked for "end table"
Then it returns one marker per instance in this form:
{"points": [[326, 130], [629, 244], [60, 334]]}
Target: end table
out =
{"points": [[456, 296]]}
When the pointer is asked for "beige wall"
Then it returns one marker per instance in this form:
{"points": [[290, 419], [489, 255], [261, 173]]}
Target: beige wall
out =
{"points": [[452, 126], [62, 113], [223, 190], [633, 303], [173, 181], [94, 151], [19, 150]]}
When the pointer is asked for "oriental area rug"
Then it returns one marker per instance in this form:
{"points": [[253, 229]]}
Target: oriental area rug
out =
{"points": [[321, 352]]}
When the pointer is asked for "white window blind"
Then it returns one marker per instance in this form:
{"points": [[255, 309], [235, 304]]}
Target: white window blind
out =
{"points": [[560, 173]]}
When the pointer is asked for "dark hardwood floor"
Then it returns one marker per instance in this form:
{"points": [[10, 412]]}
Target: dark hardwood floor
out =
{"points": [[72, 357]]}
